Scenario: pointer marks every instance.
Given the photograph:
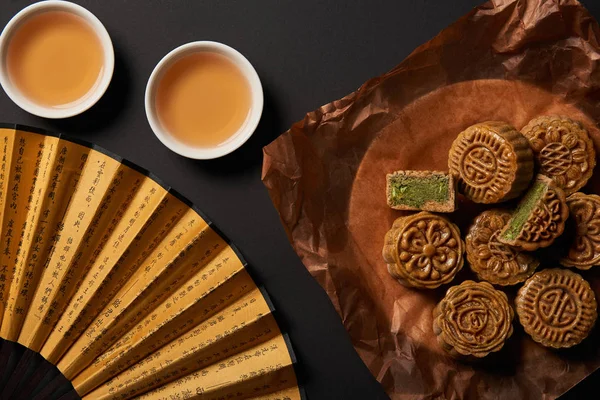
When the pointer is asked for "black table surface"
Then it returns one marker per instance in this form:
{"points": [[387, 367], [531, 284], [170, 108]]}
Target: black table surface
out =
{"points": [[307, 53]]}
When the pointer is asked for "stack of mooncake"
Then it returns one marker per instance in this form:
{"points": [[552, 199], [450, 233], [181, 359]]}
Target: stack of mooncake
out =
{"points": [[542, 168]]}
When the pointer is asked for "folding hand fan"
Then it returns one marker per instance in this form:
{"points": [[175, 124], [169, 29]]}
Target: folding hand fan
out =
{"points": [[123, 285]]}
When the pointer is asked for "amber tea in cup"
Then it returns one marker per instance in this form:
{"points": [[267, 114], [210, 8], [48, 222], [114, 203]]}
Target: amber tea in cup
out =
{"points": [[203, 99], [55, 58]]}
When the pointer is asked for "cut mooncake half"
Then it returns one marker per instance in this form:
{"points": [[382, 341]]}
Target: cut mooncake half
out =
{"points": [[539, 218], [421, 190]]}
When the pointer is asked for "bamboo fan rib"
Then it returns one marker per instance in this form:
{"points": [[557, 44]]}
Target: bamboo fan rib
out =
{"points": [[123, 286]]}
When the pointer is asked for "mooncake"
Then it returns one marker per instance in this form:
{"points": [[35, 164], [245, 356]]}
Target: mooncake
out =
{"points": [[563, 150], [421, 190], [583, 242], [472, 320], [539, 217], [423, 250], [492, 260], [557, 308], [491, 161]]}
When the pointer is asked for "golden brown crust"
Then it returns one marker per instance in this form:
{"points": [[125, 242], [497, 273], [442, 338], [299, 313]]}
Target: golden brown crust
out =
{"points": [[584, 243], [544, 223], [491, 161], [557, 308], [492, 260], [563, 150], [473, 320], [423, 250], [446, 207]]}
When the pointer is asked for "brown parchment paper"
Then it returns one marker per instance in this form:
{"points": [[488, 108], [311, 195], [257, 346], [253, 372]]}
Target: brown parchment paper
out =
{"points": [[508, 60]]}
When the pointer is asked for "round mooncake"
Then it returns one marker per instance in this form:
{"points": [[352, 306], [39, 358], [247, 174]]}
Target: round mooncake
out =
{"points": [[563, 150], [491, 161], [473, 319], [584, 243], [492, 260], [557, 308], [423, 250]]}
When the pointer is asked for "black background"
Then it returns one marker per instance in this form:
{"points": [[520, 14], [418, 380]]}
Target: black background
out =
{"points": [[307, 53]]}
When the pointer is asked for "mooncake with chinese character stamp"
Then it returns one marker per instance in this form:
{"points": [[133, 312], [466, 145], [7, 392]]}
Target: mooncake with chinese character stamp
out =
{"points": [[557, 308], [583, 242], [492, 162], [421, 190], [563, 150], [492, 260], [539, 217], [473, 320], [423, 250]]}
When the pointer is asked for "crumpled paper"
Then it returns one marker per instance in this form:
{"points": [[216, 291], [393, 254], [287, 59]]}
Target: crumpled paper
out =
{"points": [[506, 60]]}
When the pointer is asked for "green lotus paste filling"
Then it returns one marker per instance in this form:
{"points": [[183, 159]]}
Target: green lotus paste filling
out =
{"points": [[415, 191], [524, 210]]}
